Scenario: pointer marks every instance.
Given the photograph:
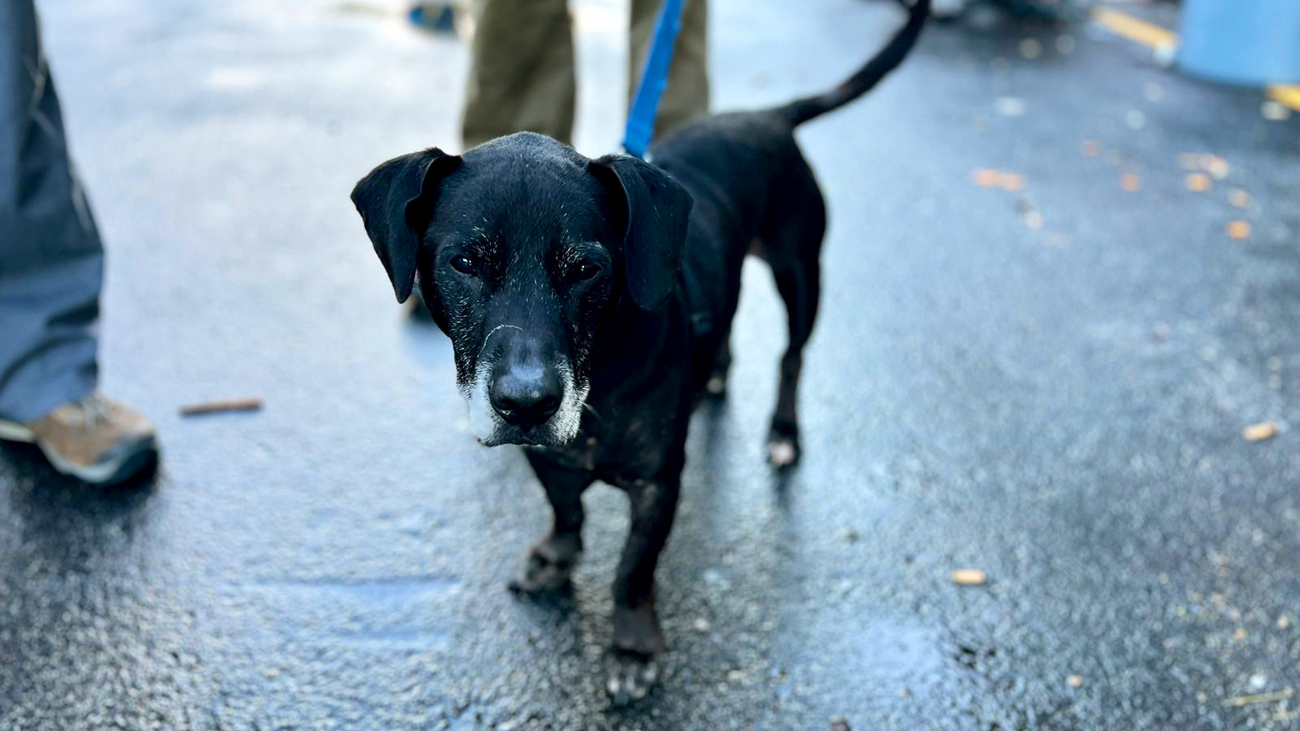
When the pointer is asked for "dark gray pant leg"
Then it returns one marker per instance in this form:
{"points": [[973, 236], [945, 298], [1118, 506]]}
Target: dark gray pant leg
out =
{"points": [[51, 259]]}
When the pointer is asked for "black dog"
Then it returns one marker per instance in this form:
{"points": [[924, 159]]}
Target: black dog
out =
{"points": [[589, 307]]}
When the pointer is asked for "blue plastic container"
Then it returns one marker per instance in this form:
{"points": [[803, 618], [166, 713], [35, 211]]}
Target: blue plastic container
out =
{"points": [[1251, 42]]}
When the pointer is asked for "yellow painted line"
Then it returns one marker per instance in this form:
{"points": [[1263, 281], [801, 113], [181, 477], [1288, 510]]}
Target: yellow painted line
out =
{"points": [[1288, 95], [1134, 29], [1152, 35]]}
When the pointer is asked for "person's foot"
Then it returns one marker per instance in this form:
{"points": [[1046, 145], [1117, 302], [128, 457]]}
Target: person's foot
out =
{"points": [[96, 439]]}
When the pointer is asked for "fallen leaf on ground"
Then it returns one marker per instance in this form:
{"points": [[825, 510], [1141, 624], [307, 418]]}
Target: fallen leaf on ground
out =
{"points": [[1215, 165], [1197, 182], [1130, 182], [991, 178], [1260, 432], [1013, 183], [969, 577], [1274, 111], [1238, 229], [1009, 106], [1075, 681]]}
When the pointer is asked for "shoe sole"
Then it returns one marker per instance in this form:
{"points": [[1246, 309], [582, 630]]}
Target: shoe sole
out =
{"points": [[12, 431], [108, 473]]}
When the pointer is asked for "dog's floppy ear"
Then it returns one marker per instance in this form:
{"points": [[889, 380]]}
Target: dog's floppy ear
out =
{"points": [[655, 210], [395, 201]]}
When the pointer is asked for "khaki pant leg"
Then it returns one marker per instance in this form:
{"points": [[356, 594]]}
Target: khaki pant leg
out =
{"points": [[687, 94], [521, 70]]}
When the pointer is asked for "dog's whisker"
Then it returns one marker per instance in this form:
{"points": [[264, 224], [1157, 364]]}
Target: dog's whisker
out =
{"points": [[493, 331]]}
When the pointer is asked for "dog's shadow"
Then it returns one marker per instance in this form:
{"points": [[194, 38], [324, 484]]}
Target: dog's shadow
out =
{"points": [[713, 421]]}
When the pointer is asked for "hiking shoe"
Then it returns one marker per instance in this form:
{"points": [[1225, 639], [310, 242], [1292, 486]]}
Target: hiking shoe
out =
{"points": [[96, 439]]}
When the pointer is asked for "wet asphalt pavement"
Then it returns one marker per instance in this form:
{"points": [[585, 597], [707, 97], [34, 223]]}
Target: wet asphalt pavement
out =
{"points": [[1049, 385]]}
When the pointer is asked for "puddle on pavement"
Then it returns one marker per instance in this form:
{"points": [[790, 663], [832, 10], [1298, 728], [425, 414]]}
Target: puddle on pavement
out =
{"points": [[398, 590], [381, 614], [887, 652]]}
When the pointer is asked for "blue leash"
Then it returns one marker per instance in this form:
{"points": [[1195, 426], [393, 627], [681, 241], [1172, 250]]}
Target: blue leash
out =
{"points": [[641, 127], [641, 118]]}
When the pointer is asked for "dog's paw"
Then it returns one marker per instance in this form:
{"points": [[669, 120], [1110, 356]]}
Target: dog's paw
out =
{"points": [[783, 446], [782, 453], [716, 386], [549, 566], [629, 676]]}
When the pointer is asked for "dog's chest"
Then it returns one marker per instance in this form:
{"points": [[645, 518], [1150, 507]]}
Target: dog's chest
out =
{"points": [[633, 453]]}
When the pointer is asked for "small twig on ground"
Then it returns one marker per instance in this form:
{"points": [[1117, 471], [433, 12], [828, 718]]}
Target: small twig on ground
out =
{"points": [[218, 407], [1246, 700]]}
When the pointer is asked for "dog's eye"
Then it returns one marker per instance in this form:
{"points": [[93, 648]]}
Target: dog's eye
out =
{"points": [[464, 265], [588, 271]]}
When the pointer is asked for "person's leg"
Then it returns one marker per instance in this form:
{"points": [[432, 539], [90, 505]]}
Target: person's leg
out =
{"points": [[51, 270], [687, 94], [521, 73], [51, 260]]}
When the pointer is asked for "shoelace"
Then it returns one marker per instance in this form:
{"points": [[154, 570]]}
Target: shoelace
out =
{"points": [[92, 410]]}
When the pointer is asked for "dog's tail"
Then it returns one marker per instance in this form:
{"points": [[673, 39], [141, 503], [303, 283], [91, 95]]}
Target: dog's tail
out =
{"points": [[802, 110]]}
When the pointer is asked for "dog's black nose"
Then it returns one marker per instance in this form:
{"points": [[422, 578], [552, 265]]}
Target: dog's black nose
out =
{"points": [[526, 396]]}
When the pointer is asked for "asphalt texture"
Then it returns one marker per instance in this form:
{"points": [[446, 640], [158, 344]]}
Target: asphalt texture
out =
{"points": [[1048, 384]]}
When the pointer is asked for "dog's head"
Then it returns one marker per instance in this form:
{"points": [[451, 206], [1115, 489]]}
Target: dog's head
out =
{"points": [[524, 249]]}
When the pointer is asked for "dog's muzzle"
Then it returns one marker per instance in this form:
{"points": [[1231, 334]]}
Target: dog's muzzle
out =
{"points": [[525, 404]]}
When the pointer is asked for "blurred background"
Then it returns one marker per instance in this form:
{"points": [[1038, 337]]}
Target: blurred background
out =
{"points": [[1059, 344]]}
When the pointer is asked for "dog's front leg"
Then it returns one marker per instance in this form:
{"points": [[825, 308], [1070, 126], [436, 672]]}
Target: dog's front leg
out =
{"points": [[637, 638], [550, 563]]}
